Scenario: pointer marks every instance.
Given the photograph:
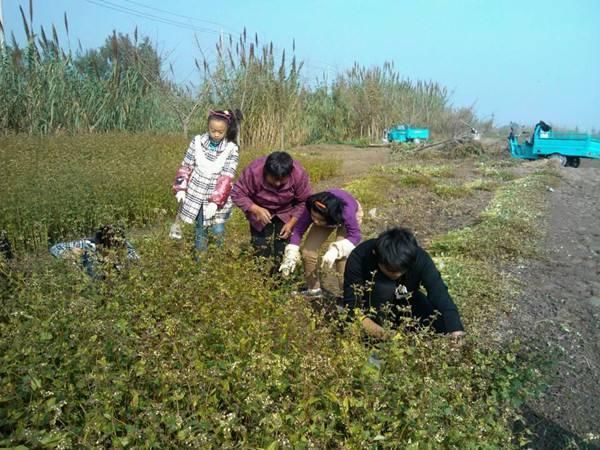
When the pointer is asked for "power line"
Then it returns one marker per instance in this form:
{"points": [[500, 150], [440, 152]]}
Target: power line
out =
{"points": [[222, 26], [180, 15], [152, 17], [123, 9]]}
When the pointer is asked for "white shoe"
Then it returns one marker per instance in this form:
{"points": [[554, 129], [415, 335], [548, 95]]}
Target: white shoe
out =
{"points": [[309, 293], [175, 232]]}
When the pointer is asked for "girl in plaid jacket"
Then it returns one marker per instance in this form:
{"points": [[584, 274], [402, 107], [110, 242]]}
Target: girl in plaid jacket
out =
{"points": [[204, 180]]}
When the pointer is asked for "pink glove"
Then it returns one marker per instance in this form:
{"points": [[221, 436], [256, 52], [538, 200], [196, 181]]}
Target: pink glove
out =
{"points": [[182, 178], [222, 190]]}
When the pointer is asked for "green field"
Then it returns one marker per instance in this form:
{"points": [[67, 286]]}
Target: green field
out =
{"points": [[173, 353], [62, 187]]}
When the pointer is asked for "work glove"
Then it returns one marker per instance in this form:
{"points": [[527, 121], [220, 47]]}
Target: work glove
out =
{"points": [[337, 250], [210, 209], [180, 196], [291, 257], [330, 256], [344, 247]]}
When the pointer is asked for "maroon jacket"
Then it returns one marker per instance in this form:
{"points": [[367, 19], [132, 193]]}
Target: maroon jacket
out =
{"points": [[285, 202]]}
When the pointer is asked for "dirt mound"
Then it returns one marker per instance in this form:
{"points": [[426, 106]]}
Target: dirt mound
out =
{"points": [[460, 149]]}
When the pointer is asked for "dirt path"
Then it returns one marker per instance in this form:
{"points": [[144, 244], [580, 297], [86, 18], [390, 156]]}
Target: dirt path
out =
{"points": [[355, 161], [559, 315]]}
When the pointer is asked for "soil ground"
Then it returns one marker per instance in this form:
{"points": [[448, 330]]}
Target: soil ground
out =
{"points": [[355, 161], [558, 312]]}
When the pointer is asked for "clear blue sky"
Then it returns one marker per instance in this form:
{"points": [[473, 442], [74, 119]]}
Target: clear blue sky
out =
{"points": [[519, 60]]}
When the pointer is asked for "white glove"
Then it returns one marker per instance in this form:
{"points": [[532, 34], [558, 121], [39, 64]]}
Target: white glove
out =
{"points": [[344, 248], [337, 250], [330, 256], [291, 257], [180, 196], [210, 209]]}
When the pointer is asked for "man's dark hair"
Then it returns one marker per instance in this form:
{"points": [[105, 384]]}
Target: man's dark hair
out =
{"points": [[279, 164], [328, 205], [110, 236], [396, 249]]}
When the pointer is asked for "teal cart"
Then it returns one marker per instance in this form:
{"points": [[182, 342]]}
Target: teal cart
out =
{"points": [[568, 147], [406, 133]]}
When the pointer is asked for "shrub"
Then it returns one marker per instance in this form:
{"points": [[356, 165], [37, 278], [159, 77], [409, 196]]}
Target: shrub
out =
{"points": [[61, 187], [170, 354]]}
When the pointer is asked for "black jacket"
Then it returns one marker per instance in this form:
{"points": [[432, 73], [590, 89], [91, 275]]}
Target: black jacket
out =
{"points": [[362, 268]]}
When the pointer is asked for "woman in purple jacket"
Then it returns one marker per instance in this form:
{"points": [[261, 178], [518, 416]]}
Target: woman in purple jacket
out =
{"points": [[326, 211]]}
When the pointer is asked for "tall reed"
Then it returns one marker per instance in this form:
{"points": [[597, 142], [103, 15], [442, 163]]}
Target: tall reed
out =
{"points": [[46, 89], [43, 90]]}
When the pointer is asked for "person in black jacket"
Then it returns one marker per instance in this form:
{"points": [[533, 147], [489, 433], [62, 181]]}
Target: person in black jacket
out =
{"points": [[383, 277]]}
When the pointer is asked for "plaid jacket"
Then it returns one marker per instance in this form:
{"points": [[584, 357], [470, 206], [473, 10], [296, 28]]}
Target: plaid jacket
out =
{"points": [[87, 245], [203, 181], [89, 257]]}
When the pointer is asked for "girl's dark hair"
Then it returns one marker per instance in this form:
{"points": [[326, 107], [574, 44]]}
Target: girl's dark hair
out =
{"points": [[110, 236], [396, 249], [328, 205], [279, 164], [232, 117]]}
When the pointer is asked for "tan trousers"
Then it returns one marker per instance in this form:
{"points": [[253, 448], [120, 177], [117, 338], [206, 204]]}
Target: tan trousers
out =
{"points": [[316, 237]]}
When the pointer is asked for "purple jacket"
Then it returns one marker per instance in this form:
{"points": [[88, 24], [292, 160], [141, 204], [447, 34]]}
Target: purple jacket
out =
{"points": [[348, 213], [285, 202]]}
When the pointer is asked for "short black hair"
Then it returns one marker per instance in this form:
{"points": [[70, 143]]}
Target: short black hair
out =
{"points": [[396, 249], [328, 205], [279, 164], [232, 117], [110, 236]]}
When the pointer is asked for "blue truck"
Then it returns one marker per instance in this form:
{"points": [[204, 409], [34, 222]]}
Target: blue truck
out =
{"points": [[568, 147], [406, 133]]}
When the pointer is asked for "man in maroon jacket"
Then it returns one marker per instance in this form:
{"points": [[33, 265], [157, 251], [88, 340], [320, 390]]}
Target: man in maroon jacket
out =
{"points": [[271, 191]]}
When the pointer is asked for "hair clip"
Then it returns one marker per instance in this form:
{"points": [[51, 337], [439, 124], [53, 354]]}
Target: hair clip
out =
{"points": [[221, 114]]}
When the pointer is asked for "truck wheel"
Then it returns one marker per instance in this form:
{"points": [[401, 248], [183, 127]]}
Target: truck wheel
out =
{"points": [[561, 158], [573, 161]]}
